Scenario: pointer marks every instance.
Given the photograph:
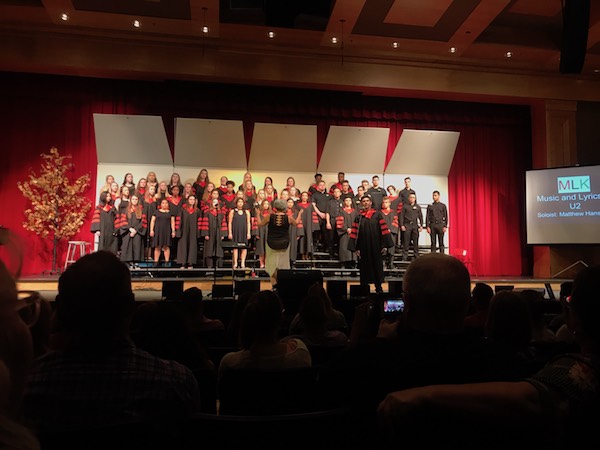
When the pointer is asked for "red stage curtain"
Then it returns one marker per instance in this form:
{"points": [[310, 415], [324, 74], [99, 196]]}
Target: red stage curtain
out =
{"points": [[486, 185]]}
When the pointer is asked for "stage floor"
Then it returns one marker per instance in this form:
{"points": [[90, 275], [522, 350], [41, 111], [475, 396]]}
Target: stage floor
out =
{"points": [[150, 288]]}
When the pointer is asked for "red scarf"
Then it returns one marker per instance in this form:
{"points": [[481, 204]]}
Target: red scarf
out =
{"points": [[172, 200], [368, 214]]}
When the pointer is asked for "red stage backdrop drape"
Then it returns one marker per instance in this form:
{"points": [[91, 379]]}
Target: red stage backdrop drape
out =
{"points": [[486, 180]]}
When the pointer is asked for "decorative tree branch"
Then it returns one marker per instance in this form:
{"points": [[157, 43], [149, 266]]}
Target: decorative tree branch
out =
{"points": [[58, 208]]}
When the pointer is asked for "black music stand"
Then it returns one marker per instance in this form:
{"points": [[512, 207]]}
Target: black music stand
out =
{"points": [[233, 245]]}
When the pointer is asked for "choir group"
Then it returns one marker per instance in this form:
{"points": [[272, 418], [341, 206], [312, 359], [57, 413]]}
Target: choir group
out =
{"points": [[163, 221]]}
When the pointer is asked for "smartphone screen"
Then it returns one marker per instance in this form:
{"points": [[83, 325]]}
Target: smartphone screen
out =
{"points": [[392, 307]]}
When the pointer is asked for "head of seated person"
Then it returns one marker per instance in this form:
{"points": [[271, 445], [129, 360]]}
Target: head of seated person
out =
{"points": [[335, 318], [95, 302], [193, 308], [313, 314], [161, 330], [509, 321], [482, 295], [436, 291], [261, 320]]}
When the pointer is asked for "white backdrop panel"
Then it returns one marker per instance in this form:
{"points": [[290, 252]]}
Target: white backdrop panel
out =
{"points": [[354, 149], [278, 146], [163, 172], [209, 143], [124, 139], [424, 152]]}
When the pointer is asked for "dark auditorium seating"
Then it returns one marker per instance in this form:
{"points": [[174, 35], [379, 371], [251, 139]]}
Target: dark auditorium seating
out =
{"points": [[266, 392]]}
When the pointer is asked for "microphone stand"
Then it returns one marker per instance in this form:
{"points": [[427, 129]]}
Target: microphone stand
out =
{"points": [[214, 255]]}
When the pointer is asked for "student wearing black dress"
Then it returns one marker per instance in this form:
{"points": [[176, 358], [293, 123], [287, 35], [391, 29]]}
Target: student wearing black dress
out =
{"points": [[239, 232]]}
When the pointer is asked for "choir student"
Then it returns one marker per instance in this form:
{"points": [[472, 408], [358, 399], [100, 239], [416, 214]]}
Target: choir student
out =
{"points": [[239, 232]]}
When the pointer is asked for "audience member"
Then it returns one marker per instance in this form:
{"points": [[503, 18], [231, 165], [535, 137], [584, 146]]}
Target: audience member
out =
{"points": [[161, 329], [539, 328], [313, 316], [427, 343], [101, 378], [508, 330], [480, 303], [16, 354], [563, 333], [259, 338], [207, 331], [558, 407], [13, 434], [37, 313], [335, 318], [234, 325], [559, 320]]}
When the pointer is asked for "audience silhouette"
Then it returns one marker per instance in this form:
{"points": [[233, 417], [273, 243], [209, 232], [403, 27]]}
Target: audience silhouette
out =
{"points": [[428, 344], [320, 341], [335, 319], [100, 378], [509, 331], [260, 338], [453, 357], [16, 354], [207, 331], [557, 407], [480, 303]]}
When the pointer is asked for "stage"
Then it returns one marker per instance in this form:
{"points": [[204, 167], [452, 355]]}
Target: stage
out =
{"points": [[149, 284]]}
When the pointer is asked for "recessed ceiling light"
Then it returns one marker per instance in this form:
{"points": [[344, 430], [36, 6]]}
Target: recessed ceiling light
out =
{"points": [[137, 23], [271, 34], [64, 16], [395, 44], [596, 70], [508, 54], [205, 29], [334, 40], [452, 50]]}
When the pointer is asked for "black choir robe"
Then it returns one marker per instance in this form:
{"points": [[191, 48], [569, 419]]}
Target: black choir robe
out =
{"points": [[104, 222], [188, 232], [370, 234], [132, 248]]}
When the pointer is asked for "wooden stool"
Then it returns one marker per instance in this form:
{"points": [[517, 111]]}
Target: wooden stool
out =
{"points": [[74, 247]]}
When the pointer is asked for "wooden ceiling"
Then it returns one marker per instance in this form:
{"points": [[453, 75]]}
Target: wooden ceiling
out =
{"points": [[380, 43]]}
